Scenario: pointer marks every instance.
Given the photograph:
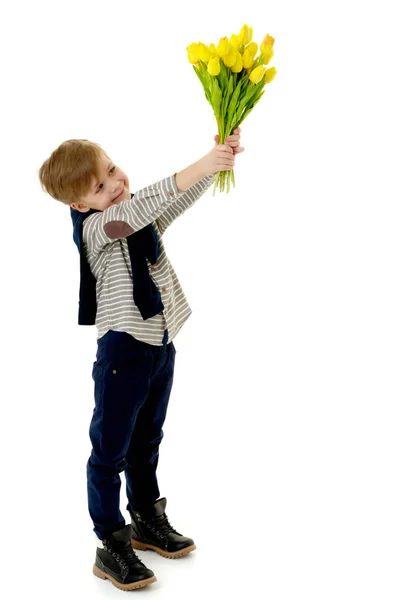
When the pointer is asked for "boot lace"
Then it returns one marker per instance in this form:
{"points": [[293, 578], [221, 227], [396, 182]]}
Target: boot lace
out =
{"points": [[162, 523], [124, 555]]}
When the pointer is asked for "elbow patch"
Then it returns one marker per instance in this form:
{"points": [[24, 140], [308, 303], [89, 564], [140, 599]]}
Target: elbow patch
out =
{"points": [[118, 229]]}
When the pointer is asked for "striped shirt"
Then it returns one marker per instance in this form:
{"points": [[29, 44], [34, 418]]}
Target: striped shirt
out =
{"points": [[104, 241]]}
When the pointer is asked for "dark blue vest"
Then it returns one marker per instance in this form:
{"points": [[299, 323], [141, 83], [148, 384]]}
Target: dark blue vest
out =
{"points": [[141, 244]]}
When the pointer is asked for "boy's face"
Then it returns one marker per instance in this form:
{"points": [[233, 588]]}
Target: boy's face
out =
{"points": [[104, 193]]}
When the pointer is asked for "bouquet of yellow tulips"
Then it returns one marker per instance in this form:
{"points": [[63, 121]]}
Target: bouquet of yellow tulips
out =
{"points": [[233, 79]]}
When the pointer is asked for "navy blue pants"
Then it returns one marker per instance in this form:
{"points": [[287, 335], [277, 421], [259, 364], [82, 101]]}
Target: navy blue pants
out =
{"points": [[133, 382]]}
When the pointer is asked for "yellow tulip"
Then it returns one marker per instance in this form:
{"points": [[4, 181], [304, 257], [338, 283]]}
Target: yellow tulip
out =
{"points": [[252, 49], [268, 54], [223, 47], [266, 48], [238, 66], [230, 59], [257, 74], [269, 74], [203, 52], [234, 41], [193, 49], [245, 36], [214, 66], [248, 59], [213, 50], [267, 41], [192, 58]]}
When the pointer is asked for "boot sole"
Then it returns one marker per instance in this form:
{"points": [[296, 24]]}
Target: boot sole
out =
{"points": [[141, 546], [123, 586]]}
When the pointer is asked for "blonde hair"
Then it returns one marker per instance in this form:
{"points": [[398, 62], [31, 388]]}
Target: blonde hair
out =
{"points": [[67, 174]]}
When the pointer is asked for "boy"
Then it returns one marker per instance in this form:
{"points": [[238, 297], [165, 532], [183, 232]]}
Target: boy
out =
{"points": [[130, 291]]}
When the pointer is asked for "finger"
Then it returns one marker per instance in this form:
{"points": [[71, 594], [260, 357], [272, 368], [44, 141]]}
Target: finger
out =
{"points": [[234, 141], [225, 158], [224, 149], [224, 163]]}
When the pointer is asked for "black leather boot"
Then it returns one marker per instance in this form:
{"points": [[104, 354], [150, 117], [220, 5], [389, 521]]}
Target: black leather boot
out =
{"points": [[151, 530], [118, 562]]}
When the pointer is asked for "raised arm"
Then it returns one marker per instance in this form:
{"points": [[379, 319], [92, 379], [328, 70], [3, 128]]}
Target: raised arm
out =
{"points": [[185, 201], [120, 220]]}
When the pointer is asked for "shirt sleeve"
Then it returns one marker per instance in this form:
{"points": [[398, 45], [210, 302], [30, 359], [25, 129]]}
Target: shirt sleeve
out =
{"points": [[120, 220], [181, 204]]}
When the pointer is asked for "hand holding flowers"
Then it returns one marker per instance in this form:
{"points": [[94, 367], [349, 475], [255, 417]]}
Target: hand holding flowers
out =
{"points": [[222, 156]]}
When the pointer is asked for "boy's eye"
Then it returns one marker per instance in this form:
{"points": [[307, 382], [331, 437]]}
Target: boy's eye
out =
{"points": [[113, 169]]}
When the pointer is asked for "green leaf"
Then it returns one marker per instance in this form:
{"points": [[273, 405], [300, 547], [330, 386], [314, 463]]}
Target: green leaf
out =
{"points": [[245, 84], [216, 96], [251, 94], [227, 96], [247, 111], [203, 81], [207, 95], [223, 75], [199, 75], [202, 74], [232, 106], [255, 99]]}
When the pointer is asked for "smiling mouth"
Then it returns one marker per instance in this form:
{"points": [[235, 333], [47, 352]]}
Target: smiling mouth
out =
{"points": [[116, 198]]}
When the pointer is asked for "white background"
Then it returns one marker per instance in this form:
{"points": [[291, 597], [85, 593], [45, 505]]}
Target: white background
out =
{"points": [[281, 448]]}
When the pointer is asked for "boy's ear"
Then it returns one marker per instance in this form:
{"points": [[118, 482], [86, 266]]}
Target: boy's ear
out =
{"points": [[81, 207]]}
